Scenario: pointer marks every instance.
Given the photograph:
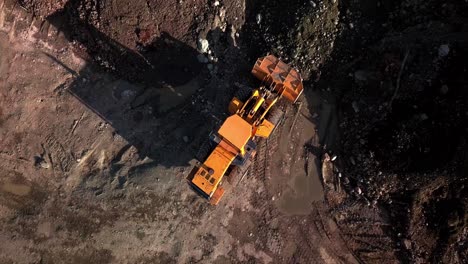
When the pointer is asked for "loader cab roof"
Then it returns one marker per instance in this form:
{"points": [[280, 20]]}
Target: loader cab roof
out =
{"points": [[236, 131]]}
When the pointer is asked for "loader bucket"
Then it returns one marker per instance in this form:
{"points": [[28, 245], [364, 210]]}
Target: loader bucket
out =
{"points": [[279, 76]]}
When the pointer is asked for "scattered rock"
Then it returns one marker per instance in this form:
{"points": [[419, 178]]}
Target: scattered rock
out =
{"points": [[258, 18], [358, 190], [407, 243], [44, 165], [444, 89], [128, 94], [444, 50], [203, 45], [40, 162], [355, 106], [202, 58], [361, 75], [423, 116]]}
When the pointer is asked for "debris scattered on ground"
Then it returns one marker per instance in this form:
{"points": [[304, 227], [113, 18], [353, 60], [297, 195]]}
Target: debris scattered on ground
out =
{"points": [[105, 103]]}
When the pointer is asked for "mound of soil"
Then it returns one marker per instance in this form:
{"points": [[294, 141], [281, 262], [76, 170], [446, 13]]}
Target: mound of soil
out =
{"points": [[398, 71], [404, 121]]}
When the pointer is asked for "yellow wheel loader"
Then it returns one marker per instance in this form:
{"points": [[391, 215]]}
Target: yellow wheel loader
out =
{"points": [[252, 115]]}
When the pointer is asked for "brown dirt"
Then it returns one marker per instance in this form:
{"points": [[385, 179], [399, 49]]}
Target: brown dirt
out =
{"points": [[103, 105]]}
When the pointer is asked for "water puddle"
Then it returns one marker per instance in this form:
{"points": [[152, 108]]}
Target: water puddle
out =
{"points": [[305, 186], [15, 188], [306, 189]]}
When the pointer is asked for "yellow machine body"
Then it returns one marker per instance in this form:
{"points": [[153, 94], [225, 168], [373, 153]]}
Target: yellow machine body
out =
{"points": [[247, 121]]}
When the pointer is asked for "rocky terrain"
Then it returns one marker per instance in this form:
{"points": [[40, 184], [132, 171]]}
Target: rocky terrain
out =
{"points": [[105, 104]]}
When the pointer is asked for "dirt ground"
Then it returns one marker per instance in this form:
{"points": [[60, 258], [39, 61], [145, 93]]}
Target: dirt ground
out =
{"points": [[105, 104]]}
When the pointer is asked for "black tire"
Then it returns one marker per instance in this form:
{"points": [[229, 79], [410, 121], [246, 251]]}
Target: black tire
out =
{"points": [[275, 115], [234, 176], [243, 93], [204, 150]]}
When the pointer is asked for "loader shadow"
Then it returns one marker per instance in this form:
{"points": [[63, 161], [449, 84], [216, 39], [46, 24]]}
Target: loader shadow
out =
{"points": [[137, 92]]}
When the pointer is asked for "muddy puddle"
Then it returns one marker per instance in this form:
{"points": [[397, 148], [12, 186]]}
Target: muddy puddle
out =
{"points": [[3, 55], [15, 188], [18, 193], [306, 189], [304, 184]]}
